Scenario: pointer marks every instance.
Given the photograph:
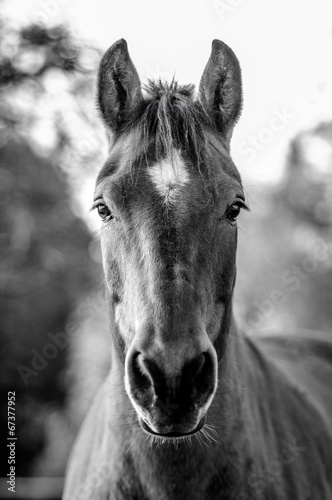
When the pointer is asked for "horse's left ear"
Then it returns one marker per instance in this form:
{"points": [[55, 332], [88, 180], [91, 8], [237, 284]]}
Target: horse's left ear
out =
{"points": [[119, 87], [220, 90]]}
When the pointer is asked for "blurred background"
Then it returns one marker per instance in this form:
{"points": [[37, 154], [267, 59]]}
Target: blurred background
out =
{"points": [[55, 347]]}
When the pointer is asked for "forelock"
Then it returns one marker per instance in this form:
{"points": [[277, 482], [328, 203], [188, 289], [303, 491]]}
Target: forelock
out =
{"points": [[171, 119]]}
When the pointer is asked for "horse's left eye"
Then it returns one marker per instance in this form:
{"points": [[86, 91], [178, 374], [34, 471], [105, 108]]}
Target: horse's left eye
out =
{"points": [[234, 211], [104, 212]]}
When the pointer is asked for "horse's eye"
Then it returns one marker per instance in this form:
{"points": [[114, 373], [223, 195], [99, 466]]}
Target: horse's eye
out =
{"points": [[234, 211], [104, 212]]}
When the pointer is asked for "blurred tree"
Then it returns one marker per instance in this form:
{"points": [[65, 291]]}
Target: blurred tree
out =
{"points": [[45, 270], [306, 194], [285, 253]]}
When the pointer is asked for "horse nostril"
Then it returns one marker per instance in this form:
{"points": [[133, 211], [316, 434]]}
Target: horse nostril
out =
{"points": [[145, 374], [154, 373], [199, 375], [140, 378], [194, 367], [205, 375]]}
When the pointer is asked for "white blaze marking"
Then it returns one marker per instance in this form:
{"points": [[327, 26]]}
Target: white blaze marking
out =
{"points": [[168, 176]]}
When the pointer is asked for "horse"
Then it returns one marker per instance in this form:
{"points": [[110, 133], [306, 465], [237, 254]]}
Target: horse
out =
{"points": [[192, 407]]}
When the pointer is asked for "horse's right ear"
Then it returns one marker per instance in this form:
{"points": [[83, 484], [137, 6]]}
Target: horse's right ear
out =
{"points": [[119, 87], [220, 90]]}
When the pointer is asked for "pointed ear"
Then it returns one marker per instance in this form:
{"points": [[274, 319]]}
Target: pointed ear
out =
{"points": [[220, 90], [119, 87]]}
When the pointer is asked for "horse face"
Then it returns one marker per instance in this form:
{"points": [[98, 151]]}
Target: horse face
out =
{"points": [[169, 196]]}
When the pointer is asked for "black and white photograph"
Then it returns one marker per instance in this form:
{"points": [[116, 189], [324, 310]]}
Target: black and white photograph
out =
{"points": [[166, 250]]}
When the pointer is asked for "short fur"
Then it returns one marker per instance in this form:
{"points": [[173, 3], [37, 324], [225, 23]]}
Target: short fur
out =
{"points": [[179, 361]]}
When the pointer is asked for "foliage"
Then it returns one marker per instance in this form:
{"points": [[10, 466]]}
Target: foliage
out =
{"points": [[46, 268], [285, 243]]}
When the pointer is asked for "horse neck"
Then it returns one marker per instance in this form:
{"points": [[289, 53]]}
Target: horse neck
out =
{"points": [[247, 409], [239, 393]]}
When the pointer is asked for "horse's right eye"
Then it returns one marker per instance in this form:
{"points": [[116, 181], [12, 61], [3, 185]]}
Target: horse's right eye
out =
{"points": [[104, 212]]}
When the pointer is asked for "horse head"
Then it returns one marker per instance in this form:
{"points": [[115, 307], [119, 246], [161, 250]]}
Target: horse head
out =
{"points": [[169, 196]]}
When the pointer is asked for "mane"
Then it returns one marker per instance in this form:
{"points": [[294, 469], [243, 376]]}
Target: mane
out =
{"points": [[174, 120]]}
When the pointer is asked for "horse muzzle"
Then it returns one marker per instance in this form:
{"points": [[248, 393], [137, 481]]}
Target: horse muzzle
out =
{"points": [[171, 389]]}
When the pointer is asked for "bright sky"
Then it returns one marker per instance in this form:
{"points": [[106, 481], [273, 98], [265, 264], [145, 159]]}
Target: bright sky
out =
{"points": [[284, 47]]}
